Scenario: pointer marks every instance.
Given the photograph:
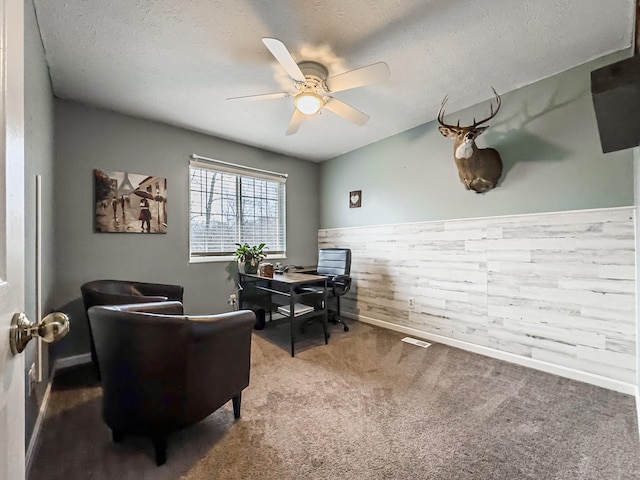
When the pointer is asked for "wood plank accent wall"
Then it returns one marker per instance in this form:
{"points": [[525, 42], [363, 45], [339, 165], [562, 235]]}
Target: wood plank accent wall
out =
{"points": [[554, 287]]}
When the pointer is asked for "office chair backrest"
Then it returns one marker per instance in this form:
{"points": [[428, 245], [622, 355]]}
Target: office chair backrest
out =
{"points": [[334, 261]]}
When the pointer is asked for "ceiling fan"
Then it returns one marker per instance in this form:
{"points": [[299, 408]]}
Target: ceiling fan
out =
{"points": [[313, 86]]}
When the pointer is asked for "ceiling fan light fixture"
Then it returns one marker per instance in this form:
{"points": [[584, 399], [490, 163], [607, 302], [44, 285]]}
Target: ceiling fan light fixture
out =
{"points": [[313, 86], [308, 103]]}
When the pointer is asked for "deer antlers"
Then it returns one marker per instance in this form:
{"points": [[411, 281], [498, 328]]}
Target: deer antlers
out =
{"points": [[475, 124]]}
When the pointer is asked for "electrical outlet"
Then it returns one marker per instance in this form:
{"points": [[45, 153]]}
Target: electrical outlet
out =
{"points": [[411, 302], [233, 299]]}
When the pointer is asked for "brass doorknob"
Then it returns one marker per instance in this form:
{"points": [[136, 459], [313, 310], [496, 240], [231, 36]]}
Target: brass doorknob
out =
{"points": [[52, 328]]}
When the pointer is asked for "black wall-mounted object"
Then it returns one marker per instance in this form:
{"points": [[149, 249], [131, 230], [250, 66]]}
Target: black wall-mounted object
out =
{"points": [[615, 90]]}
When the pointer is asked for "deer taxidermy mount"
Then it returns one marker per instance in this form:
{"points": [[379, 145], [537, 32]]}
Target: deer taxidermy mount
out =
{"points": [[479, 168]]}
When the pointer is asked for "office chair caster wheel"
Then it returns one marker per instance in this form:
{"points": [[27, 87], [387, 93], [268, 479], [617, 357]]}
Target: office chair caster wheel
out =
{"points": [[346, 328]]}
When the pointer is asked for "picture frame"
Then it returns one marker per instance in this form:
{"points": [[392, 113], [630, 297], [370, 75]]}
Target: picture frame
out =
{"points": [[127, 202], [355, 199]]}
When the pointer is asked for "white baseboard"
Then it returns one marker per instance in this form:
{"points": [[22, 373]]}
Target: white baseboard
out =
{"points": [[600, 381], [42, 412], [638, 409], [33, 441]]}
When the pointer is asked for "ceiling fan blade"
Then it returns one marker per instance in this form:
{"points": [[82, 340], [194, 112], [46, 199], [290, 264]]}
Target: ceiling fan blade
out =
{"points": [[358, 77], [296, 120], [262, 96], [346, 111], [278, 50]]}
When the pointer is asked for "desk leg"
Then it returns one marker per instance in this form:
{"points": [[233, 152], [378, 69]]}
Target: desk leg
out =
{"points": [[244, 302], [291, 322], [325, 315]]}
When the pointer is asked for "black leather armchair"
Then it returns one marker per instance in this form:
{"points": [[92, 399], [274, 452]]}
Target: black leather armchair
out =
{"points": [[162, 370], [122, 292]]}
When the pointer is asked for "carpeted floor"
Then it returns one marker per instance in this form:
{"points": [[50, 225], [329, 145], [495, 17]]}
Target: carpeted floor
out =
{"points": [[366, 406]]}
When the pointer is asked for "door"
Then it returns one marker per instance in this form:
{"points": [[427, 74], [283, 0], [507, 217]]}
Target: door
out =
{"points": [[12, 376]]}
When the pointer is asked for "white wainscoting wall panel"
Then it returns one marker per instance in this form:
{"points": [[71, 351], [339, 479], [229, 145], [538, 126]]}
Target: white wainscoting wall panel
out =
{"points": [[555, 288]]}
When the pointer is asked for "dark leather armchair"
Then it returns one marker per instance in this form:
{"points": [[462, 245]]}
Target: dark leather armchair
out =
{"points": [[162, 370], [122, 292]]}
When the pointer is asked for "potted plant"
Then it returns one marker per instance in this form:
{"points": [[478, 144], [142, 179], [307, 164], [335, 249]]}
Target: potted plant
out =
{"points": [[250, 257]]}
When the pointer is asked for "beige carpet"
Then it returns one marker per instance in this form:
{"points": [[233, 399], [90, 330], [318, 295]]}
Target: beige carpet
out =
{"points": [[366, 406]]}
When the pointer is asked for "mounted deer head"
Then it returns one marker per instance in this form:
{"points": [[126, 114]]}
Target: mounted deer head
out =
{"points": [[479, 168]]}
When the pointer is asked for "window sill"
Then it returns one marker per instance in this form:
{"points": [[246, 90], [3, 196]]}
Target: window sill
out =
{"points": [[211, 259], [228, 259]]}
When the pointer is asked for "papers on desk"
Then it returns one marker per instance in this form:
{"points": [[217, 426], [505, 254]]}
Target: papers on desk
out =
{"points": [[298, 309]]}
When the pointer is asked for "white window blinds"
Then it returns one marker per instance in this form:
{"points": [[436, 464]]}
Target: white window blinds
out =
{"points": [[232, 204]]}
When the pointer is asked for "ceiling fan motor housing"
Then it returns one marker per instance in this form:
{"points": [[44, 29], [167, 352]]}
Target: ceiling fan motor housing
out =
{"points": [[315, 73]]}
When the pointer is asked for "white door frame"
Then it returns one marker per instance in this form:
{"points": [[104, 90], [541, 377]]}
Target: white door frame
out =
{"points": [[12, 288]]}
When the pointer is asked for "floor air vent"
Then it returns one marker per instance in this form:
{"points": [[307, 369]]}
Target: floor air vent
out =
{"points": [[415, 341]]}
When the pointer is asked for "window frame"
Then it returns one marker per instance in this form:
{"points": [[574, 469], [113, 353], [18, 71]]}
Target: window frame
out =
{"points": [[240, 172]]}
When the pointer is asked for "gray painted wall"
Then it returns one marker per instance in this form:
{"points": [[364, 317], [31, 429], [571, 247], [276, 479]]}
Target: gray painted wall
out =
{"points": [[546, 134], [38, 161], [88, 138]]}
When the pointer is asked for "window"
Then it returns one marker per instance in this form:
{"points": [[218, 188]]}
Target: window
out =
{"points": [[232, 204]]}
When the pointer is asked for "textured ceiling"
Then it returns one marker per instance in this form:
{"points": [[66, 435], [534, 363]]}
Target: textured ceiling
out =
{"points": [[177, 61]]}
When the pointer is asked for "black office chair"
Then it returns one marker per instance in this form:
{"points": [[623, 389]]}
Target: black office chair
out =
{"points": [[335, 264]]}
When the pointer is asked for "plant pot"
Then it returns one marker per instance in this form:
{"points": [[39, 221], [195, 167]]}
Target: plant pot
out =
{"points": [[250, 268]]}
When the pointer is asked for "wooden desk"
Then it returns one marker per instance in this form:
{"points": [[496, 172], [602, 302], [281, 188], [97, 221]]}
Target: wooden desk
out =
{"points": [[309, 269], [257, 292]]}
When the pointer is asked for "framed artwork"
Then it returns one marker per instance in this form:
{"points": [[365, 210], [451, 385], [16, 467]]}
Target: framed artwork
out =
{"points": [[129, 202], [355, 199]]}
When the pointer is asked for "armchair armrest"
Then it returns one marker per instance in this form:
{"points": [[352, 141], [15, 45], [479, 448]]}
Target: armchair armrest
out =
{"points": [[121, 298], [223, 332], [218, 358], [162, 307], [172, 292], [218, 317]]}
